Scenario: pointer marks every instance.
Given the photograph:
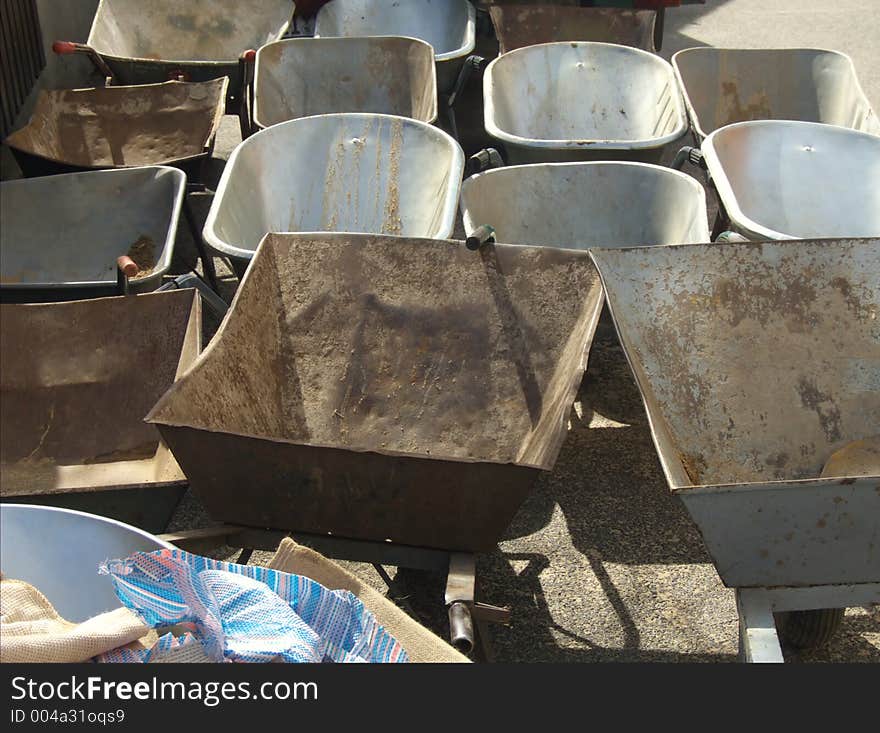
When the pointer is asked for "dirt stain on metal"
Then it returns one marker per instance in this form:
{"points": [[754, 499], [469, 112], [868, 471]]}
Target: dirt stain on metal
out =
{"points": [[823, 404]]}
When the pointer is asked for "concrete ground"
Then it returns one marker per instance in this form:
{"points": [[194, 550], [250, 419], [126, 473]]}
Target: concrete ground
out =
{"points": [[601, 563]]}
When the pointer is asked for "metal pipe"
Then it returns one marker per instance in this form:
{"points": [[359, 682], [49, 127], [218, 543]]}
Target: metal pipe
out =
{"points": [[461, 627]]}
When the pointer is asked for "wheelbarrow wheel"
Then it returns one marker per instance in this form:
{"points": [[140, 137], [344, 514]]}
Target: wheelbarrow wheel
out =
{"points": [[809, 629]]}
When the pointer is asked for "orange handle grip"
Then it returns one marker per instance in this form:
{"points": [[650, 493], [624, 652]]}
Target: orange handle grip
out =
{"points": [[249, 56], [127, 265], [64, 47]]}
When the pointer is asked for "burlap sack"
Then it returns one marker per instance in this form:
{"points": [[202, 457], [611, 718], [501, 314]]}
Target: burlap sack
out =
{"points": [[32, 631], [420, 644]]}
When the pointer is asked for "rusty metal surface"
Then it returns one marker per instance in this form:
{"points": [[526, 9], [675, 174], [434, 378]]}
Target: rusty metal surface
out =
{"points": [[200, 31], [723, 86], [369, 173], [77, 380], [111, 127], [312, 76], [385, 388], [526, 25], [756, 362]]}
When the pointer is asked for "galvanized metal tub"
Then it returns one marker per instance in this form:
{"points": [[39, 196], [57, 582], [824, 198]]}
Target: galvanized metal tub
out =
{"points": [[315, 76], [61, 235], [517, 26], [376, 174], [792, 180], [173, 123], [448, 25], [386, 389], [723, 86], [146, 41], [58, 552], [756, 362], [582, 205], [77, 380], [560, 102]]}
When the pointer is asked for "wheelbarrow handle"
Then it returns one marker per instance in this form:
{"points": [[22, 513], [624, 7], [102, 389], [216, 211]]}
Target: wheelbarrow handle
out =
{"points": [[472, 64], [482, 235], [688, 154], [484, 160], [64, 48], [247, 63], [126, 268]]}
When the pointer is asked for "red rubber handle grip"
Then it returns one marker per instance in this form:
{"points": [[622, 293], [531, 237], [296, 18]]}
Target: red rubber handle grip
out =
{"points": [[127, 265], [64, 47]]}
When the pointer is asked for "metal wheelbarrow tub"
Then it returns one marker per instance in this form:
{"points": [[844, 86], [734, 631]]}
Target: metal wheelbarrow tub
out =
{"points": [[723, 86], [756, 362], [173, 123], [561, 102], [314, 76], [58, 552], [61, 235], [583, 205], [517, 26], [385, 389], [146, 41], [448, 25], [77, 380], [796, 180], [374, 174]]}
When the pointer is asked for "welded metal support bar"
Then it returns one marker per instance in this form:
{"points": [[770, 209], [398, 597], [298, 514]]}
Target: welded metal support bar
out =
{"points": [[758, 639]]}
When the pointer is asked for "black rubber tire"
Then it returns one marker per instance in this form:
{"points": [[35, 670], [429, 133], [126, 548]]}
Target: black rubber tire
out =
{"points": [[809, 629]]}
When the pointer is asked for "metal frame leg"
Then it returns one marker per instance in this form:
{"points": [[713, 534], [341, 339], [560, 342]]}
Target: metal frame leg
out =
{"points": [[204, 255], [758, 640]]}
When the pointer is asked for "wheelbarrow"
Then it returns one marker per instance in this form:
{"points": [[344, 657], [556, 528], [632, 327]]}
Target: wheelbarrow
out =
{"points": [[757, 362], [723, 86], [393, 397], [563, 102], [448, 25], [62, 235], [517, 26], [375, 174], [582, 205], [791, 180], [315, 76], [77, 380], [58, 552], [149, 41], [173, 123]]}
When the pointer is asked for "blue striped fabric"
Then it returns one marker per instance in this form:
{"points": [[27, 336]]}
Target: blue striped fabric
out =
{"points": [[245, 613]]}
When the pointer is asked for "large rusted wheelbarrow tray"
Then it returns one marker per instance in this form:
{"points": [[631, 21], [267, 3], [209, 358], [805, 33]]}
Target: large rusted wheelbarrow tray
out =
{"points": [[374, 174], [779, 179], [314, 76], [562, 102], [149, 41], [756, 363], [386, 389], [62, 235], [723, 86], [448, 25], [527, 25], [77, 380], [173, 123], [583, 205]]}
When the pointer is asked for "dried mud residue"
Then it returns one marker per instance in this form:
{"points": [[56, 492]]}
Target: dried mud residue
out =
{"points": [[143, 252]]}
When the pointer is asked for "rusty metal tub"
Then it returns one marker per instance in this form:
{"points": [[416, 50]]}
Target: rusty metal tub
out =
{"points": [[174, 123], [385, 389], [448, 25], [723, 86], [756, 362], [77, 380], [375, 174], [61, 235], [528, 25], [148, 41], [313, 76]]}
